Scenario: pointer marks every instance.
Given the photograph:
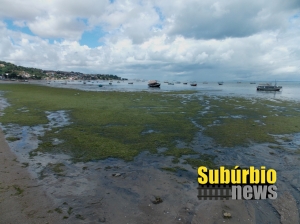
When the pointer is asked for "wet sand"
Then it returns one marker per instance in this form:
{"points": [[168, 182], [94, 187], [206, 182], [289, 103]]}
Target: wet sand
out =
{"points": [[22, 198], [101, 197], [113, 191]]}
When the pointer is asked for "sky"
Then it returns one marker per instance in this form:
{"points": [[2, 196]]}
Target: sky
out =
{"points": [[193, 40]]}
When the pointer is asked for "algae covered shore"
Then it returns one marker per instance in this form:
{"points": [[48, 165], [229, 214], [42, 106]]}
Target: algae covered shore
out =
{"points": [[157, 137], [121, 125]]}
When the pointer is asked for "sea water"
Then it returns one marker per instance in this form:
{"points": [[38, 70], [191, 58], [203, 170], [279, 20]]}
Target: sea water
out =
{"points": [[289, 91]]}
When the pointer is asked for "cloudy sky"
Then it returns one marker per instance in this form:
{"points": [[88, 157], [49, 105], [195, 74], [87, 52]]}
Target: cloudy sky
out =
{"points": [[155, 39]]}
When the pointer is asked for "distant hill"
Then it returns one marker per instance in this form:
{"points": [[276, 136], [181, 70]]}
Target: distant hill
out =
{"points": [[19, 72], [11, 71]]}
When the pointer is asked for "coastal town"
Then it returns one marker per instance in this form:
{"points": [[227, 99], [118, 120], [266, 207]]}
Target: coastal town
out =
{"points": [[9, 71]]}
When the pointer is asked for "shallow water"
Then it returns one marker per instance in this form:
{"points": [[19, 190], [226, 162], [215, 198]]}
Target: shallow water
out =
{"points": [[290, 90]]}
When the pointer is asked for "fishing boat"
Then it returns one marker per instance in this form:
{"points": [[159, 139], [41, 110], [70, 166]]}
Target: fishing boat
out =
{"points": [[220, 83], [153, 83], [193, 84], [268, 87], [185, 83], [130, 83]]}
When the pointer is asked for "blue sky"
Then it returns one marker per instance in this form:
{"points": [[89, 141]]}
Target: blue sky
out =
{"points": [[92, 38], [196, 40]]}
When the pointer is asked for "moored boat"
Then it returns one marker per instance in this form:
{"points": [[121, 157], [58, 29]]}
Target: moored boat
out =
{"points": [[268, 87], [153, 83]]}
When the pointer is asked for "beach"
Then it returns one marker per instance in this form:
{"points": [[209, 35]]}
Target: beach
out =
{"points": [[22, 198], [146, 170]]}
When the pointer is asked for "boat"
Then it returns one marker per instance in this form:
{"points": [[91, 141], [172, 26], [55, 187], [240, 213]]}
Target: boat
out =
{"points": [[171, 83], [268, 87], [100, 85], [153, 83], [185, 83], [252, 82], [193, 84], [130, 83], [220, 83], [205, 82]]}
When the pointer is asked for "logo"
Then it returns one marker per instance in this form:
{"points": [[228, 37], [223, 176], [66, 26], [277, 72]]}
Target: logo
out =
{"points": [[237, 183]]}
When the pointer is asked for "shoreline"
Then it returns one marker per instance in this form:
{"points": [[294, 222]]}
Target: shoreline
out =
{"points": [[230, 89], [114, 191], [22, 198]]}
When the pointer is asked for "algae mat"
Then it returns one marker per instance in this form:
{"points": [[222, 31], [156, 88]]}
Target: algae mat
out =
{"points": [[123, 124]]}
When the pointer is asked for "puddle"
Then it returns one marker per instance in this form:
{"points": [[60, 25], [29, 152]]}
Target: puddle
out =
{"points": [[3, 104], [150, 131], [29, 140]]}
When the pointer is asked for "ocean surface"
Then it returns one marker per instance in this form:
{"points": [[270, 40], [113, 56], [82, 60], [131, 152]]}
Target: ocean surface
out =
{"points": [[289, 91]]}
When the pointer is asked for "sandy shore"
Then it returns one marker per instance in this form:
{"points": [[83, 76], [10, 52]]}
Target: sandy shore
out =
{"points": [[22, 199]]}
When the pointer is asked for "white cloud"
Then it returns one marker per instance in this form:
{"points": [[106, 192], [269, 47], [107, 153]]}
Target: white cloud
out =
{"points": [[155, 37], [57, 27]]}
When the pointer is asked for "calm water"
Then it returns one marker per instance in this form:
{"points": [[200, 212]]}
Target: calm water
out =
{"points": [[290, 90]]}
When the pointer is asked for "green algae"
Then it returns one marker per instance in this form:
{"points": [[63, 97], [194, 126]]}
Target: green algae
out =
{"points": [[202, 160], [241, 120], [12, 139], [178, 152], [121, 125], [104, 124]]}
